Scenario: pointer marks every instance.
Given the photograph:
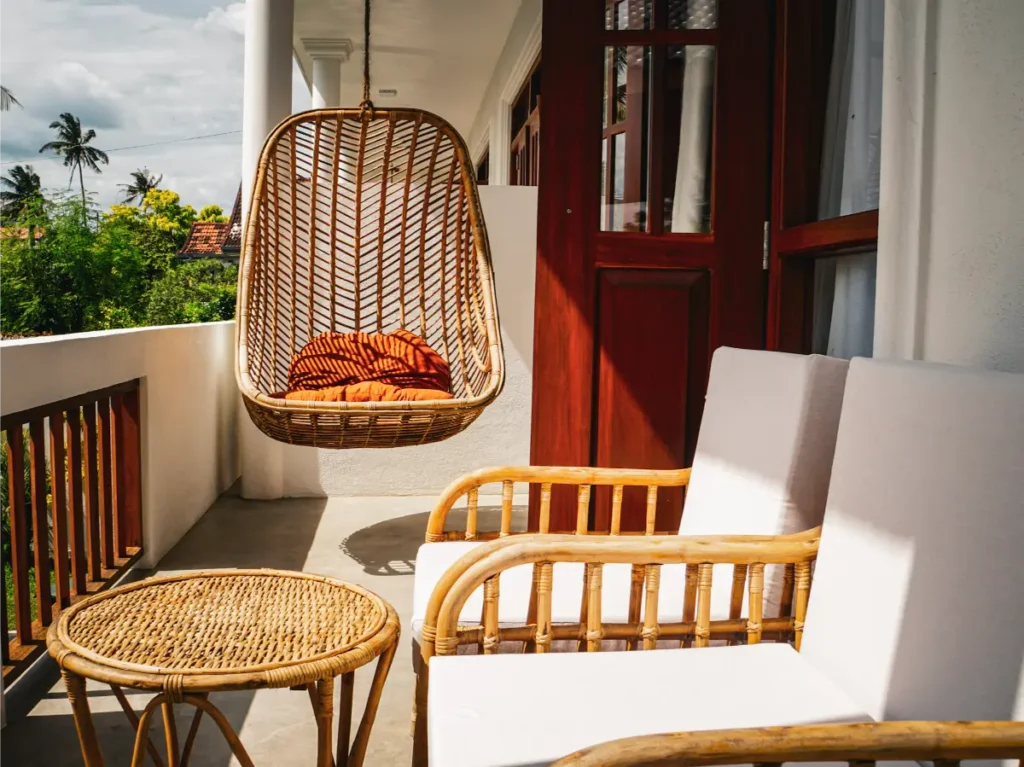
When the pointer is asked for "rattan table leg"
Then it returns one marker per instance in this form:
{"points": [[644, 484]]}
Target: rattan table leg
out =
{"points": [[348, 681], [186, 752], [87, 739], [170, 734], [134, 721], [380, 675], [324, 723]]}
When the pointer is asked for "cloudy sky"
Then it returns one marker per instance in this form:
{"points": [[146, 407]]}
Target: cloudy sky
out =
{"points": [[141, 72]]}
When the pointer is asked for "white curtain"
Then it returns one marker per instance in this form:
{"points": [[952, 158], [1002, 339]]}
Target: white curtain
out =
{"points": [[698, 62], [844, 289]]}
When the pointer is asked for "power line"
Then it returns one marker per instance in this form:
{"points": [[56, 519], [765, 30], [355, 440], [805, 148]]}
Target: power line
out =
{"points": [[139, 146]]}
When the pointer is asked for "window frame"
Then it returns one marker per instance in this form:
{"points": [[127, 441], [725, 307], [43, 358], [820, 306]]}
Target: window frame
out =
{"points": [[796, 240]]}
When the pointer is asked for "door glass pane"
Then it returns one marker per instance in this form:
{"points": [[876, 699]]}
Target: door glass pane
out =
{"points": [[851, 145], [844, 305], [627, 14], [692, 14], [687, 138], [625, 146]]}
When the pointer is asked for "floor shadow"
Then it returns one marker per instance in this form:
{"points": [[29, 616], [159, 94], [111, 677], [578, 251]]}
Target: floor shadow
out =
{"points": [[389, 547], [249, 534]]}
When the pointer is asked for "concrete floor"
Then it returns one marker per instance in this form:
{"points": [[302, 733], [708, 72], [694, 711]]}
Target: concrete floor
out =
{"points": [[369, 541]]}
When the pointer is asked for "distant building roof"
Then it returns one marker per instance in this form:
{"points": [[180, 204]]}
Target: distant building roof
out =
{"points": [[205, 238], [20, 232], [233, 242]]}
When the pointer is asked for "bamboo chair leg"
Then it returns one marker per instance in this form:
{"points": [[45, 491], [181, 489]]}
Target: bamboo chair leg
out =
{"points": [[419, 725], [91, 754], [380, 675]]}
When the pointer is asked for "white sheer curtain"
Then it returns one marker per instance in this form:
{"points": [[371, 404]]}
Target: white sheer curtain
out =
{"points": [[844, 286], [698, 61]]}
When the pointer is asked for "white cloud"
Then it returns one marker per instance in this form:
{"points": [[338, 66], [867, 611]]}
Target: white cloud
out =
{"points": [[138, 73]]}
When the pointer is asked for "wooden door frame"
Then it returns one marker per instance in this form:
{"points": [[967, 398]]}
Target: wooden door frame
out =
{"points": [[568, 247]]}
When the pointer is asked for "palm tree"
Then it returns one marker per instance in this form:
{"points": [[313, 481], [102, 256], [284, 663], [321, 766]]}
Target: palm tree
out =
{"points": [[142, 183], [72, 145], [20, 186], [7, 99]]}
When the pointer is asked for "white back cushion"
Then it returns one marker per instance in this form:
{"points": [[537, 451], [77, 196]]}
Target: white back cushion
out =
{"points": [[764, 453], [766, 441], [917, 604]]}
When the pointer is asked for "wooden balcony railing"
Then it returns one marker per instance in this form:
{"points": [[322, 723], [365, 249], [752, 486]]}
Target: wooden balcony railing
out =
{"points": [[72, 510]]}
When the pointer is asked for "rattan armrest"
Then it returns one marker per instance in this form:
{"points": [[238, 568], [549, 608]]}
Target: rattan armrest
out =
{"points": [[865, 743], [442, 633], [581, 477]]}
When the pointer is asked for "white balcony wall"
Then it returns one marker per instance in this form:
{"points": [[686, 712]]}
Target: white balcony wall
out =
{"points": [[950, 233], [500, 436], [188, 404]]}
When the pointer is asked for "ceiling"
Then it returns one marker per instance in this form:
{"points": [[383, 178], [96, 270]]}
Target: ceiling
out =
{"points": [[438, 54]]}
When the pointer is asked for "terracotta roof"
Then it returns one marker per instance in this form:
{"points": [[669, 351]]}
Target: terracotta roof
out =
{"points": [[20, 232], [233, 242], [206, 238]]}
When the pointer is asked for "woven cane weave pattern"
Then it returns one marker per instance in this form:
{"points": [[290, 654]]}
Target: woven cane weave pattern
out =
{"points": [[226, 622]]}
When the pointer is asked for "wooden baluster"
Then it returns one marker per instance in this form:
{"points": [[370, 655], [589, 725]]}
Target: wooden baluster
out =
{"points": [[105, 485], [689, 601], [616, 509], [542, 638], [472, 501], [129, 468], [583, 510], [595, 632], [652, 509], [739, 582], [651, 630], [802, 578], [506, 507], [19, 533], [76, 522], [117, 485], [702, 631], [91, 490], [786, 601], [756, 603], [545, 507], [59, 511], [491, 638], [40, 521]]}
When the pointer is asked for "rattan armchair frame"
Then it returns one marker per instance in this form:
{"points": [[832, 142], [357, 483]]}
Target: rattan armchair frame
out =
{"points": [[366, 220], [943, 743]]}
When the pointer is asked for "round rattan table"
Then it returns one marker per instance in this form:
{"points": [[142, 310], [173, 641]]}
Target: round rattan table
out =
{"points": [[186, 636]]}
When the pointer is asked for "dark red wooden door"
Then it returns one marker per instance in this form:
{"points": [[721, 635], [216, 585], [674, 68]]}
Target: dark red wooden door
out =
{"points": [[652, 205]]}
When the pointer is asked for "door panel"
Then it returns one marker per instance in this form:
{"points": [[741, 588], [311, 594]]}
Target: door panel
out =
{"points": [[653, 330], [626, 320]]}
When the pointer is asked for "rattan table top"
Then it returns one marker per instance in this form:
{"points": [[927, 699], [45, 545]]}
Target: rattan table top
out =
{"points": [[283, 627]]}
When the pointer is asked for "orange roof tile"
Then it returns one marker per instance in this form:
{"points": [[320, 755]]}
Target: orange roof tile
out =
{"points": [[206, 238]]}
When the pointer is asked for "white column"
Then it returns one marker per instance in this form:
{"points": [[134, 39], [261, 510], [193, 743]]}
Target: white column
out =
{"points": [[328, 55], [267, 85], [267, 99]]}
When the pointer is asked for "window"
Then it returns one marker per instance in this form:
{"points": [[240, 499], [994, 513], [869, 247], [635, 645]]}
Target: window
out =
{"points": [[525, 149], [657, 119], [483, 169], [826, 176]]}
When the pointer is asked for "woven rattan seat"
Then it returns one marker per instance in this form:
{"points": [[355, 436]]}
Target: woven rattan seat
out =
{"points": [[185, 636]]}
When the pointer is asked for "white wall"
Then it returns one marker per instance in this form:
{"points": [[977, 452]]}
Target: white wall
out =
{"points": [[491, 126], [951, 226], [500, 436], [188, 409]]}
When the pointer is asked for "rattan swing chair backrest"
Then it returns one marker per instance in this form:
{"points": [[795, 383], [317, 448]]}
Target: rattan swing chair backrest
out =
{"points": [[366, 220]]}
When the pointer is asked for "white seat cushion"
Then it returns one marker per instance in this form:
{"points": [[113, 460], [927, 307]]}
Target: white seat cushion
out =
{"points": [[533, 709]]}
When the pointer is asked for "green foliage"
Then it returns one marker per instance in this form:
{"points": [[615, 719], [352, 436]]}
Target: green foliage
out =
{"points": [[143, 182], [212, 213], [72, 143], [21, 187], [120, 271], [195, 291]]}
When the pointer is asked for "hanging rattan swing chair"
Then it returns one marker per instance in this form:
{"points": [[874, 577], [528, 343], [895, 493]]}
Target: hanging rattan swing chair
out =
{"points": [[366, 220]]}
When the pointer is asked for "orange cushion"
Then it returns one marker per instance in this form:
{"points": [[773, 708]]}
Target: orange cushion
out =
{"points": [[368, 367]]}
